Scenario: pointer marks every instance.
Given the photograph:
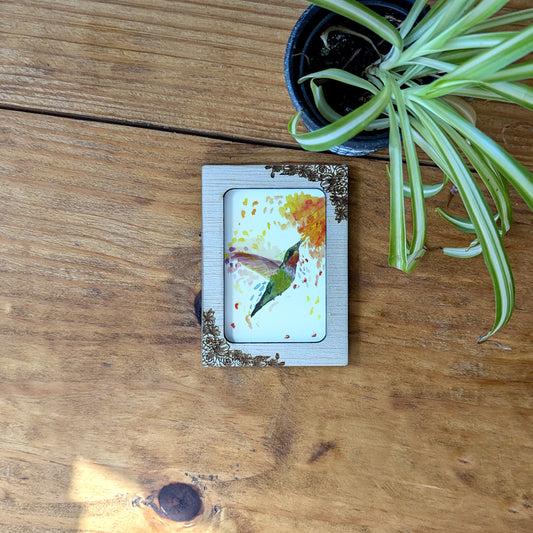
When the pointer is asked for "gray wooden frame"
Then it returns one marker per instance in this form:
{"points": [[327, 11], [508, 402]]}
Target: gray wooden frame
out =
{"points": [[216, 349]]}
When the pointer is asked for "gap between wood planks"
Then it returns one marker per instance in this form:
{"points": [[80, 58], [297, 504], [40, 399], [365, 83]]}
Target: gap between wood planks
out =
{"points": [[170, 129]]}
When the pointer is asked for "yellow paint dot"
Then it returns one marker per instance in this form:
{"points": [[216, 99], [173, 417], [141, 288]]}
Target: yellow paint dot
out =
{"points": [[254, 246], [241, 239], [265, 231], [311, 312], [245, 233], [245, 201], [268, 225], [243, 212], [308, 298], [235, 232], [317, 300]]}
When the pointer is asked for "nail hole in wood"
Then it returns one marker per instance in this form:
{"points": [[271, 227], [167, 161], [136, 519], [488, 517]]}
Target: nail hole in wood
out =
{"points": [[198, 307], [180, 502]]}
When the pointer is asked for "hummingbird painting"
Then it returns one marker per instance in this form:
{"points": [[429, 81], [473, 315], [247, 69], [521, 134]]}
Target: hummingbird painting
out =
{"points": [[280, 275]]}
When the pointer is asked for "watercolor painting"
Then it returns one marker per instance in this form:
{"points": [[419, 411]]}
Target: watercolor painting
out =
{"points": [[275, 265]]}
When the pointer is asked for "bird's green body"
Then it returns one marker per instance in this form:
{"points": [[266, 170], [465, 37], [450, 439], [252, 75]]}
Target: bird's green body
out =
{"points": [[280, 280], [278, 283]]}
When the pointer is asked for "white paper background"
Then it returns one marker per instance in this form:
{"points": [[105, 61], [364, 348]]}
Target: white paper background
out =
{"points": [[253, 224]]}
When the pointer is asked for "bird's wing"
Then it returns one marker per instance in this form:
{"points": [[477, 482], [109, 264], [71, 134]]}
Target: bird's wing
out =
{"points": [[257, 263]]}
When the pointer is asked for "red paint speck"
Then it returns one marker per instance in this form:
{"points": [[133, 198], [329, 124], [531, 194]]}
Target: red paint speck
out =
{"points": [[320, 273], [237, 305], [287, 336], [305, 280], [313, 335], [294, 286], [233, 325], [306, 260]]}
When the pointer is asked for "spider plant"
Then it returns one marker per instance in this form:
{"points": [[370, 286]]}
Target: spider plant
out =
{"points": [[456, 50]]}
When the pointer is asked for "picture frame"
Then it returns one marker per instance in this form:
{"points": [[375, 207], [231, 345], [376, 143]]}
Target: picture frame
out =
{"points": [[274, 265]]}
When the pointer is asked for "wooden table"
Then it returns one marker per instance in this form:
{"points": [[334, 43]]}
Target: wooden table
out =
{"points": [[108, 110]]}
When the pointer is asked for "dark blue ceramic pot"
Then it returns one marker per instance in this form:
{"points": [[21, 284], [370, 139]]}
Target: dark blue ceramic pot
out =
{"points": [[302, 43]]}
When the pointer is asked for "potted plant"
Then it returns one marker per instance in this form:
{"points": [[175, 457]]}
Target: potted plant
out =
{"points": [[425, 65], [322, 39]]}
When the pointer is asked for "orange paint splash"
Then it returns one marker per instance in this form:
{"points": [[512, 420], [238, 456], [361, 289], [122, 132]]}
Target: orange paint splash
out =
{"points": [[308, 213]]}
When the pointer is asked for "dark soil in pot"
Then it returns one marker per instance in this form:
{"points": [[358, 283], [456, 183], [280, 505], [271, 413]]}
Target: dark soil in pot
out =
{"points": [[306, 53]]}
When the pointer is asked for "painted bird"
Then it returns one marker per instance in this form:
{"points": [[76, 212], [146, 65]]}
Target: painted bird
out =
{"points": [[280, 275]]}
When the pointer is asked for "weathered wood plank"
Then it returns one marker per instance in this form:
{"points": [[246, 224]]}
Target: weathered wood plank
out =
{"points": [[103, 398], [209, 67]]}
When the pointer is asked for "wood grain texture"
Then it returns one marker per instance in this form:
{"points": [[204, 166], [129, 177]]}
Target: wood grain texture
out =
{"points": [[212, 68], [103, 398]]}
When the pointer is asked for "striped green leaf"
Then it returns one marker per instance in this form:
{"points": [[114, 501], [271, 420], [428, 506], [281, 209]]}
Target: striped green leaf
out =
{"points": [[416, 249], [481, 217], [464, 253], [515, 72], [397, 232], [517, 175], [463, 224], [322, 106], [338, 74], [427, 190], [342, 129], [363, 15], [523, 15], [487, 62]]}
